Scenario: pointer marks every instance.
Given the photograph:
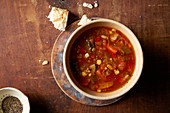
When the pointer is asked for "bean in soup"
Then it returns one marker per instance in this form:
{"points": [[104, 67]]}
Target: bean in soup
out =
{"points": [[102, 59]]}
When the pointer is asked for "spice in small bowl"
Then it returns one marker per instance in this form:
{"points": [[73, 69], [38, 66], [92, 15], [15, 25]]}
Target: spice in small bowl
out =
{"points": [[13, 100], [12, 104]]}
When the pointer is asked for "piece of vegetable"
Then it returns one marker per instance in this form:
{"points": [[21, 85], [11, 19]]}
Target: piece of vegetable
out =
{"points": [[93, 69], [116, 71], [87, 47], [86, 55], [110, 32], [98, 62], [88, 70], [107, 56], [112, 49], [99, 74], [93, 49], [104, 37], [129, 45], [92, 80], [125, 77], [107, 73], [102, 66], [98, 90], [121, 65], [105, 85], [84, 74], [110, 66], [114, 37], [121, 52], [126, 50], [93, 86], [104, 43], [113, 29]]}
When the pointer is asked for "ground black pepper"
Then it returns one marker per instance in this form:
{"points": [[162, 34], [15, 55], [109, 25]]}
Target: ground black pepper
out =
{"points": [[11, 105]]}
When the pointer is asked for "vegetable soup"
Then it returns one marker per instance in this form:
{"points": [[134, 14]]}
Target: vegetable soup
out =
{"points": [[102, 59]]}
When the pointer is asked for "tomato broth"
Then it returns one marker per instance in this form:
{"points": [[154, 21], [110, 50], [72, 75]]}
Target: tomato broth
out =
{"points": [[102, 59]]}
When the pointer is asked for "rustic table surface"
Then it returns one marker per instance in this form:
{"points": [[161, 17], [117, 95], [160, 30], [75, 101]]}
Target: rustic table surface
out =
{"points": [[27, 38]]}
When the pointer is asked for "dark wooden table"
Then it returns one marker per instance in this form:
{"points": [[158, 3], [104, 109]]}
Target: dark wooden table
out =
{"points": [[27, 36]]}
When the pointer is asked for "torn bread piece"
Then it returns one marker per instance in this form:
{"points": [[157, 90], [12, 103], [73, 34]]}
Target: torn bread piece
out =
{"points": [[59, 18], [88, 5], [84, 20], [96, 4], [45, 62]]}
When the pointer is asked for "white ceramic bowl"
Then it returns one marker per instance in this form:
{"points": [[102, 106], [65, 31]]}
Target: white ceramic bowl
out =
{"points": [[9, 91], [138, 52]]}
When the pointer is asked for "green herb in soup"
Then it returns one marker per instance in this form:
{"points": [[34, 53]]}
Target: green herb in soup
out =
{"points": [[102, 59]]}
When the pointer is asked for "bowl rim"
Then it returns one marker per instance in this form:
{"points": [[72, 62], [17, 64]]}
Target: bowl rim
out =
{"points": [[18, 91], [66, 69]]}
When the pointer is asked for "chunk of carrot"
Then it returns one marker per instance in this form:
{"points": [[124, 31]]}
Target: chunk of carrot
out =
{"points": [[112, 49], [99, 74]]}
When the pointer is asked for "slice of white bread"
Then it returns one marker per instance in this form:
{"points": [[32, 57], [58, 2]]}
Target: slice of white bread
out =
{"points": [[59, 18]]}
